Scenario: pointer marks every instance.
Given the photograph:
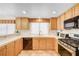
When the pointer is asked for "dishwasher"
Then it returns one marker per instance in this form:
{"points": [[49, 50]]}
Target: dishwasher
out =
{"points": [[27, 43]]}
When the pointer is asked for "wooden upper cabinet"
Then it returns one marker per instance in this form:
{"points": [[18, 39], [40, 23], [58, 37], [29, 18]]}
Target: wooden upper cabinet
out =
{"points": [[68, 14], [73, 11], [62, 18], [18, 23], [53, 22], [22, 23], [76, 10], [58, 23], [25, 23]]}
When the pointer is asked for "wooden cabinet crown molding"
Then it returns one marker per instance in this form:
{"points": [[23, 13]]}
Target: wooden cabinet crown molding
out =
{"points": [[39, 20], [7, 21]]}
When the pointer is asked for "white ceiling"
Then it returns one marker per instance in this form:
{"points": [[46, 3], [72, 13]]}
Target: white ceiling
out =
{"points": [[34, 10]]}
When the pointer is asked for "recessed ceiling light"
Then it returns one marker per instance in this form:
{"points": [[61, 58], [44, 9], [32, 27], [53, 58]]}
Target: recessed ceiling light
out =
{"points": [[24, 12], [54, 12]]}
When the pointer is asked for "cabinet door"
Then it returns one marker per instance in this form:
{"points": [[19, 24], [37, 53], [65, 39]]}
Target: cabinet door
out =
{"points": [[35, 43], [62, 21], [16, 47], [25, 24], [58, 23], [21, 44], [76, 10], [18, 23], [50, 43], [72, 12], [10, 49], [42, 44], [3, 51], [53, 23], [67, 13]]}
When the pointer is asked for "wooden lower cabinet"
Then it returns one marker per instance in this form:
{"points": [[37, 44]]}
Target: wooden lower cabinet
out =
{"points": [[44, 44], [35, 45], [18, 46], [50, 43], [10, 49], [3, 51]]}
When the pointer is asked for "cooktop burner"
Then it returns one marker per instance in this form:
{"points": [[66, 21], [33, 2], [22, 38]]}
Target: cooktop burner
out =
{"points": [[72, 42]]}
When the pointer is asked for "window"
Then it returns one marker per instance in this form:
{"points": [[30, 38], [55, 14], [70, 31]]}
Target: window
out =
{"points": [[39, 28], [6, 29]]}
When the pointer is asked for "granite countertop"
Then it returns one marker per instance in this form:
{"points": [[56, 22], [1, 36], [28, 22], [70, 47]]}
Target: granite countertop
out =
{"points": [[8, 39], [39, 36]]}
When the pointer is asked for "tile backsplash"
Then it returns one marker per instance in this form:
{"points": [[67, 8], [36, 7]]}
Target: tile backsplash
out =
{"points": [[27, 32], [74, 31]]}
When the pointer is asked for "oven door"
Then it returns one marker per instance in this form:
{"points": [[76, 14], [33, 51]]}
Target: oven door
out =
{"points": [[63, 52]]}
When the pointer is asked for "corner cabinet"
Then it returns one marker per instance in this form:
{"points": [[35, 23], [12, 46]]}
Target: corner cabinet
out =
{"points": [[22, 23], [12, 49]]}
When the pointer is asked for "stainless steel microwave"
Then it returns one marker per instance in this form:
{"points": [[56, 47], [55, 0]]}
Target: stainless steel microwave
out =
{"points": [[72, 23]]}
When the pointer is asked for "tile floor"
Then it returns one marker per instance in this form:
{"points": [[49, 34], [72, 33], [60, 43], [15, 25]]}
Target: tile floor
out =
{"points": [[38, 53]]}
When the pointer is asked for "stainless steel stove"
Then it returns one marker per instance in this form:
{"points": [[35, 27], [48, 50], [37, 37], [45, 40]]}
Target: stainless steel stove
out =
{"points": [[69, 46]]}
